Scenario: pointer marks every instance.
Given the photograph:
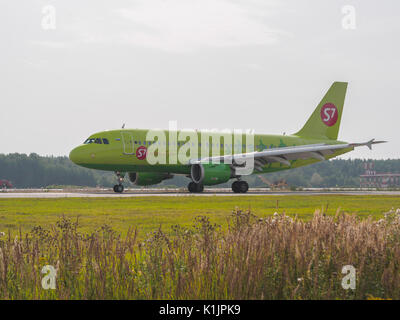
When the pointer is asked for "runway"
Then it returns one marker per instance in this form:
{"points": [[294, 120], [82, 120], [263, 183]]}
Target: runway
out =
{"points": [[131, 193]]}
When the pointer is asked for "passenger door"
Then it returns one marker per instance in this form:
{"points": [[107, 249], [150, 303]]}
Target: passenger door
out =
{"points": [[127, 141]]}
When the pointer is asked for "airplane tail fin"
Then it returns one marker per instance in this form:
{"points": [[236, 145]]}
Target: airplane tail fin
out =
{"points": [[325, 121]]}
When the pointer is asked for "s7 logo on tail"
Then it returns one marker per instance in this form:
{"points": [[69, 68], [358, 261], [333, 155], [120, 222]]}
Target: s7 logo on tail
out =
{"points": [[329, 114]]}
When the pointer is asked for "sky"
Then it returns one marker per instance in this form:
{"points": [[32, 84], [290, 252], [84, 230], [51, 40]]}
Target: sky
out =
{"points": [[72, 68]]}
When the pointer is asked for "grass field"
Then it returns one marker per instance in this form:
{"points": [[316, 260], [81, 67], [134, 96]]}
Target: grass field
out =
{"points": [[148, 213], [261, 255]]}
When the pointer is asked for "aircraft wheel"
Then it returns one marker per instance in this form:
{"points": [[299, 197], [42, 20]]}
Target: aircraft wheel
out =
{"points": [[235, 187], [194, 187], [118, 188], [243, 186]]}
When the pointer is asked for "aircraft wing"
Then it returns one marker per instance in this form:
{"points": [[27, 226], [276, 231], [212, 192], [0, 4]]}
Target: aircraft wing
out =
{"points": [[285, 154]]}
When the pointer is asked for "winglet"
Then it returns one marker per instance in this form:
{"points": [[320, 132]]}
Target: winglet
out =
{"points": [[368, 144]]}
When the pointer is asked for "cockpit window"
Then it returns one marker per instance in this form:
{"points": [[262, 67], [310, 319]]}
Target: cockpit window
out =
{"points": [[96, 140], [88, 141]]}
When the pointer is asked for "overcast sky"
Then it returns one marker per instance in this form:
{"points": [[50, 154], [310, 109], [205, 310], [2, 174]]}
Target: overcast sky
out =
{"points": [[215, 64]]}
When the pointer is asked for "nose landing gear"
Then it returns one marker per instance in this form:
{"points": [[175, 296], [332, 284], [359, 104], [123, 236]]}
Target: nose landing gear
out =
{"points": [[240, 186], [119, 188]]}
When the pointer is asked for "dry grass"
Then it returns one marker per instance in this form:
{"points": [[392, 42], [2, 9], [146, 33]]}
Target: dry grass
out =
{"points": [[273, 258]]}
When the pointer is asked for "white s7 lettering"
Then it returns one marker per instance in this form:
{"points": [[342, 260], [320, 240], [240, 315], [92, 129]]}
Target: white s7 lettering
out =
{"points": [[327, 115]]}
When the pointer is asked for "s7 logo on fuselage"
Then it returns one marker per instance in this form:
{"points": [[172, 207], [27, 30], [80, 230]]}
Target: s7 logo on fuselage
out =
{"points": [[141, 153]]}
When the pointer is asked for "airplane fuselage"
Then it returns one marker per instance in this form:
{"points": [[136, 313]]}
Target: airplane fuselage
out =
{"points": [[126, 147]]}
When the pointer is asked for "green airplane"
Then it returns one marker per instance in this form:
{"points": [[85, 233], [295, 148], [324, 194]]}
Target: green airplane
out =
{"points": [[149, 157]]}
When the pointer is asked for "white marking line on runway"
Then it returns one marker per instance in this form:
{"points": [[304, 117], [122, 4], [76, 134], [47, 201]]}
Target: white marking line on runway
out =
{"points": [[48, 195]]}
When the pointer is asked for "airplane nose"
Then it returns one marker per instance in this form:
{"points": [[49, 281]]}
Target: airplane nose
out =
{"points": [[76, 155]]}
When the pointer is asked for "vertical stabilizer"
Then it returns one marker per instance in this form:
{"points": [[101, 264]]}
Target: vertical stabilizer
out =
{"points": [[325, 120]]}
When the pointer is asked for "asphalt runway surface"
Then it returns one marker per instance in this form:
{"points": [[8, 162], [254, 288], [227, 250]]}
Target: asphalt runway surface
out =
{"points": [[105, 193]]}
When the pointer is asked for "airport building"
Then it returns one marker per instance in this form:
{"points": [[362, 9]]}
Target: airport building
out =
{"points": [[372, 179]]}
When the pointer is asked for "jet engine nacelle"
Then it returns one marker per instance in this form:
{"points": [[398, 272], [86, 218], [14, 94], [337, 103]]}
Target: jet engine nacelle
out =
{"points": [[148, 178], [210, 174]]}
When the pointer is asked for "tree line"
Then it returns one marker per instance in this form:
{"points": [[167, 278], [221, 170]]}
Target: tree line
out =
{"points": [[35, 171]]}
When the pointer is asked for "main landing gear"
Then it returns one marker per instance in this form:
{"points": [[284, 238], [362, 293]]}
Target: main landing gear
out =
{"points": [[119, 188], [240, 186], [195, 187]]}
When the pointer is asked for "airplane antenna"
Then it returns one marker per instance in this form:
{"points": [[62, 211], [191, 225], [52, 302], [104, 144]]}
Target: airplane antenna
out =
{"points": [[123, 126]]}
